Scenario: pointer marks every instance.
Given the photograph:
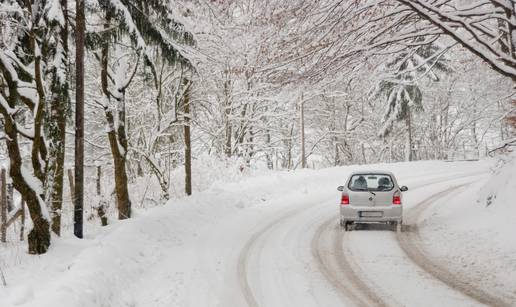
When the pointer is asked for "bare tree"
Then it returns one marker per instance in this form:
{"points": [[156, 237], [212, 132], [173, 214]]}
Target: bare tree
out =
{"points": [[476, 25]]}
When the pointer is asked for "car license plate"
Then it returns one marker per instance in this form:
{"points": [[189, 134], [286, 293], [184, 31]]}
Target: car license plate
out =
{"points": [[371, 214]]}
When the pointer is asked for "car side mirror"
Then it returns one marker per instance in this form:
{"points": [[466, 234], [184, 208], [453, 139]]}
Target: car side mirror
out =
{"points": [[340, 188], [403, 189]]}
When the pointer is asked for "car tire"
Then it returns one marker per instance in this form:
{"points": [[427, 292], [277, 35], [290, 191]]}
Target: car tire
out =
{"points": [[348, 226]]}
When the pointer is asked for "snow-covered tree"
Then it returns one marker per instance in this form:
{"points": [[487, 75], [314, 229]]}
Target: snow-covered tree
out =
{"points": [[401, 90], [34, 100], [143, 24]]}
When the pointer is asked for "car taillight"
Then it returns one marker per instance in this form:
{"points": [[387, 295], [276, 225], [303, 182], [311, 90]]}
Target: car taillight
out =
{"points": [[345, 199], [396, 198]]}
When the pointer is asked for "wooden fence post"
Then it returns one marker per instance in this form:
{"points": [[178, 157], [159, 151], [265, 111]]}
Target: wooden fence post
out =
{"points": [[3, 208]]}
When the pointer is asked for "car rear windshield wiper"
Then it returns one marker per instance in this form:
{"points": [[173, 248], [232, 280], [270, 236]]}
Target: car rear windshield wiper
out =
{"points": [[360, 189], [364, 190]]}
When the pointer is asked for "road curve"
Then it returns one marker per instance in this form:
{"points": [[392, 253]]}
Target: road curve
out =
{"points": [[411, 243], [327, 249], [250, 247], [339, 268], [244, 256]]}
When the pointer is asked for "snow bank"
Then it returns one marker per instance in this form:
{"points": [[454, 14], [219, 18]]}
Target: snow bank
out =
{"points": [[475, 234], [499, 193]]}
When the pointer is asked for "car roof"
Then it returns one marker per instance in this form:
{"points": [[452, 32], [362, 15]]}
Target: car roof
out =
{"points": [[370, 172]]}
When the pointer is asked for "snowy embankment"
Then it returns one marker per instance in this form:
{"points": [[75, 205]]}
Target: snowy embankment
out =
{"points": [[187, 252], [476, 235]]}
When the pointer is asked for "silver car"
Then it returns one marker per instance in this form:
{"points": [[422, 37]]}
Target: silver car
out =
{"points": [[371, 197]]}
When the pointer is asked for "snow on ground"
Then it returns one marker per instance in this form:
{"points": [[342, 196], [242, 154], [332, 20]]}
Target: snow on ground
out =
{"points": [[475, 233], [383, 265], [188, 253]]}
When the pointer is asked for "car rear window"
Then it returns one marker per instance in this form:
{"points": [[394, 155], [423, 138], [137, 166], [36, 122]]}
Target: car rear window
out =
{"points": [[371, 182]]}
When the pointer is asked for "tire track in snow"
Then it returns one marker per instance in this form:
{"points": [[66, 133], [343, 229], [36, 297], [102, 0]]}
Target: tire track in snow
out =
{"points": [[324, 263], [340, 270], [246, 252], [410, 242], [337, 269]]}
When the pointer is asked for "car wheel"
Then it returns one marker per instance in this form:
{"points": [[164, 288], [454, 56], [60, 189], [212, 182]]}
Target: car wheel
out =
{"points": [[349, 226]]}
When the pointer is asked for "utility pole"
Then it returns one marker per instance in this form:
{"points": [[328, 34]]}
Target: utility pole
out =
{"points": [[302, 127], [79, 120]]}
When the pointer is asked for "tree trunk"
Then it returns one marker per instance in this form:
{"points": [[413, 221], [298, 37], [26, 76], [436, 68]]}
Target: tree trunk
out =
{"points": [[60, 100], [289, 146], [122, 194], [268, 154], [22, 222], [408, 149], [333, 129], [227, 119], [10, 197], [249, 148], [116, 134], [243, 127], [101, 210], [188, 145], [124, 208], [39, 236], [79, 121], [3, 207], [302, 131], [56, 162]]}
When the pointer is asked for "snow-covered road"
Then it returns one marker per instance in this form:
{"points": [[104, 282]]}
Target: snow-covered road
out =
{"points": [[269, 241], [304, 258]]}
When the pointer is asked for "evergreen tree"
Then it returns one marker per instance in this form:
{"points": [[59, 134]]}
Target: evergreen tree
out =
{"points": [[146, 23], [400, 88]]}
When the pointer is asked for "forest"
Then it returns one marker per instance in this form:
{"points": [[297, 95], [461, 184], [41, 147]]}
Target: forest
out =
{"points": [[173, 95]]}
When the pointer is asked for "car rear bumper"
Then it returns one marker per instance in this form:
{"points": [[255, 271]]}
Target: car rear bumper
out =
{"points": [[385, 214]]}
